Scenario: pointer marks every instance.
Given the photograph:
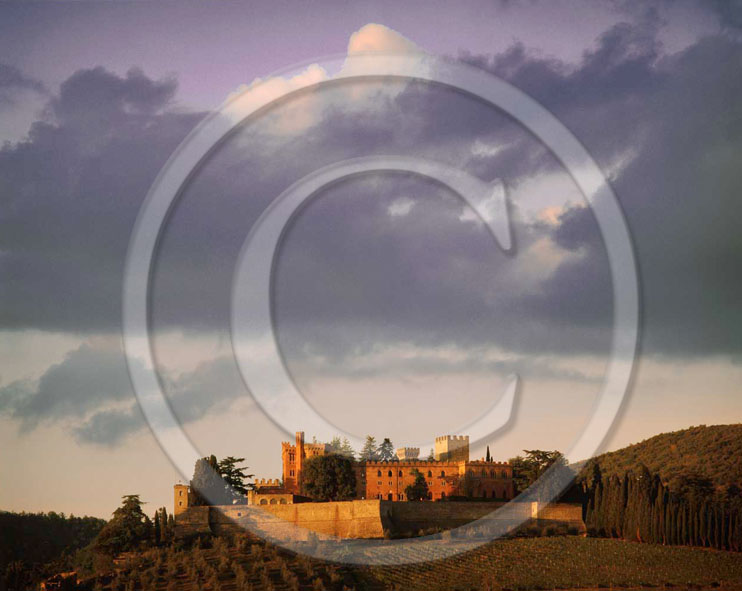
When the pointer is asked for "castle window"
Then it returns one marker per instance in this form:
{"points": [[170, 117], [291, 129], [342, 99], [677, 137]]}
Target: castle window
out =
{"points": [[378, 472], [484, 473], [430, 473], [504, 474], [378, 483], [492, 473], [180, 503], [282, 502], [273, 501], [443, 474], [391, 483], [239, 514], [400, 473], [292, 472], [389, 474], [263, 502]]}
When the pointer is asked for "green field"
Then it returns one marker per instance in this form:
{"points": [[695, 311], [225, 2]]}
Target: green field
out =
{"points": [[516, 564]]}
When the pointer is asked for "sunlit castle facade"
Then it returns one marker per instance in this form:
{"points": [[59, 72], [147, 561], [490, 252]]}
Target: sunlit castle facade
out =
{"points": [[449, 474]]}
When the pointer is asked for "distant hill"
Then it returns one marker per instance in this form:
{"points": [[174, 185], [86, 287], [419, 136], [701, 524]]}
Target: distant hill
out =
{"points": [[38, 538], [713, 453]]}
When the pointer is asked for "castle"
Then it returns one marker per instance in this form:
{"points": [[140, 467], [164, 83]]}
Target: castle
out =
{"points": [[450, 474], [375, 510]]}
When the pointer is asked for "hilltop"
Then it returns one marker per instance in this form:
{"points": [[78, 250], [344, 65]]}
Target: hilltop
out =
{"points": [[711, 453]]}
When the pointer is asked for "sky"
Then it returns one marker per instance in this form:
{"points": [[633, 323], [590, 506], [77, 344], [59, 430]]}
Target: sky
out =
{"points": [[395, 312]]}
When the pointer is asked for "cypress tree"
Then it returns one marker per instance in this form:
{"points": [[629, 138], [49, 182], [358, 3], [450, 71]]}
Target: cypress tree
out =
{"points": [[156, 532]]}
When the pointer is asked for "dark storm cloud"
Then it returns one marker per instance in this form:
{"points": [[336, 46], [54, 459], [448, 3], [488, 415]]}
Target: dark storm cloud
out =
{"points": [[729, 13], [671, 122], [71, 192], [679, 189], [90, 394], [88, 377], [13, 81]]}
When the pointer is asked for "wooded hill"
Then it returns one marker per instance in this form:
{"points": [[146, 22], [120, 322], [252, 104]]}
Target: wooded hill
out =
{"points": [[713, 453]]}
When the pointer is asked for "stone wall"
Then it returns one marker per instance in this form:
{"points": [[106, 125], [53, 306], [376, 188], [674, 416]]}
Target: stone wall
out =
{"points": [[192, 521], [412, 517], [364, 519]]}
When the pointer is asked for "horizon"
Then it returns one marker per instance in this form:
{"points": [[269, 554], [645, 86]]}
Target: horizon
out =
{"points": [[394, 309]]}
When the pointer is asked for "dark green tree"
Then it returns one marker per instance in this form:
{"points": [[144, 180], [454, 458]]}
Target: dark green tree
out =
{"points": [[341, 446], [128, 529], [346, 449], [329, 478], [170, 527], [527, 469], [156, 532], [488, 457], [386, 450], [335, 445], [234, 477], [417, 491], [369, 452]]}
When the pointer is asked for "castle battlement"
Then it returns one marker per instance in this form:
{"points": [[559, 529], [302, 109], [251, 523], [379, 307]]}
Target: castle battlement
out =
{"points": [[453, 438], [408, 453], [484, 462], [267, 482]]}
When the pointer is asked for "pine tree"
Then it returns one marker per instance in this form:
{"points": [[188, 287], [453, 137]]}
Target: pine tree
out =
{"points": [[488, 458], [386, 450], [369, 452], [346, 449], [234, 478]]}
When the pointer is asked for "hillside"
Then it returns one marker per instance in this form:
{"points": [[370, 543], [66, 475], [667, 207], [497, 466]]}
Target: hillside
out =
{"points": [[523, 564], [711, 453]]}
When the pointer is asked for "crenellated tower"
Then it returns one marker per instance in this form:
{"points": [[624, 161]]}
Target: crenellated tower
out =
{"points": [[452, 448]]}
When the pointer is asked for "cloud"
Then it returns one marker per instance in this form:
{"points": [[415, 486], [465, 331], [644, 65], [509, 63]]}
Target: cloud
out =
{"points": [[400, 207], [87, 376], [353, 270], [375, 38], [90, 393], [13, 82], [71, 192]]}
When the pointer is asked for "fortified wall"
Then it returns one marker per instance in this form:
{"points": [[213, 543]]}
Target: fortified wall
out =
{"points": [[363, 519]]}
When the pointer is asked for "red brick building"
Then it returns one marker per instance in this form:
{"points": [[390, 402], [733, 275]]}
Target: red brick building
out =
{"points": [[450, 474]]}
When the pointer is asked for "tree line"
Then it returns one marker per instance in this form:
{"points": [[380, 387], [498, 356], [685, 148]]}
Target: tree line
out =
{"points": [[639, 506], [38, 545]]}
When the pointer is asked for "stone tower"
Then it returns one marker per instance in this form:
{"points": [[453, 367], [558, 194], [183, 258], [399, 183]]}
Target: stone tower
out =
{"points": [[408, 453], [452, 448], [180, 498]]}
